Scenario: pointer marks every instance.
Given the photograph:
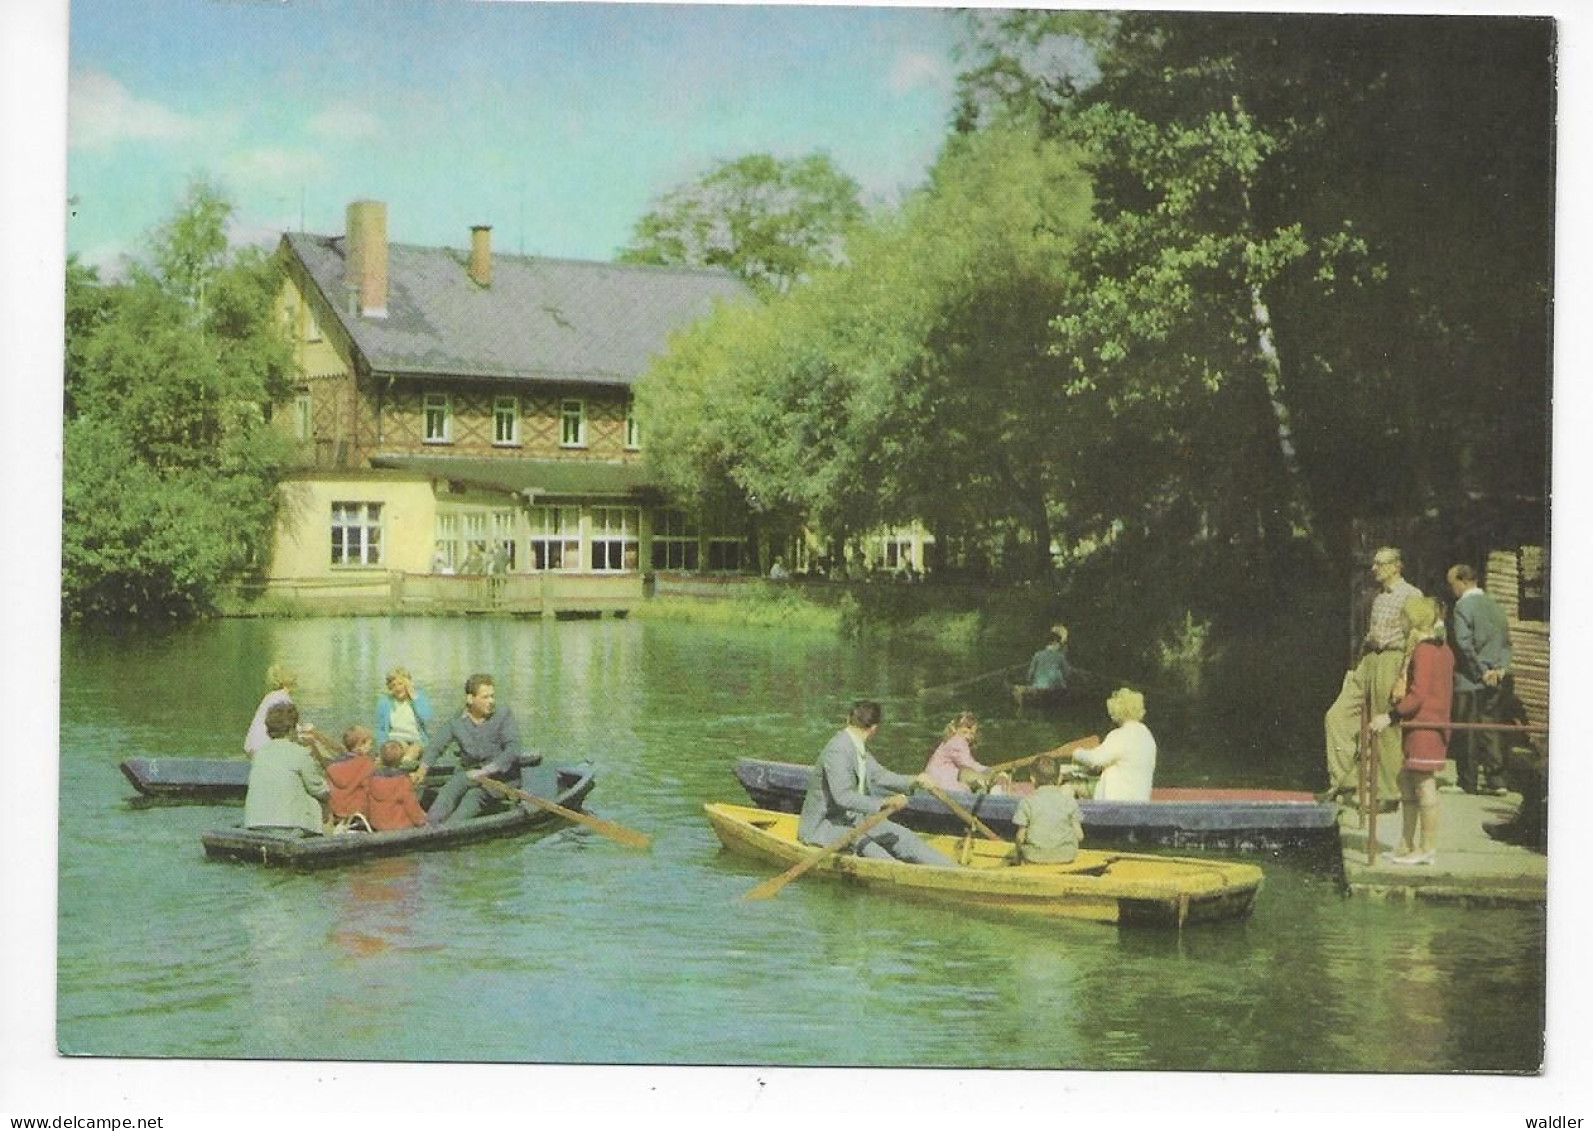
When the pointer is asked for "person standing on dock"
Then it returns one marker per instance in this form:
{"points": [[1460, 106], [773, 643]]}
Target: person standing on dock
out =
{"points": [[1423, 694], [488, 740], [840, 792], [1482, 680], [1382, 651]]}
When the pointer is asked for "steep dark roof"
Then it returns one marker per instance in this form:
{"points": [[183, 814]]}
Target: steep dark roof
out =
{"points": [[540, 320]]}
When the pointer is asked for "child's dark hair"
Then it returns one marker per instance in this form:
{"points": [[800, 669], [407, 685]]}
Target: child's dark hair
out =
{"points": [[1046, 771], [354, 736], [392, 752]]}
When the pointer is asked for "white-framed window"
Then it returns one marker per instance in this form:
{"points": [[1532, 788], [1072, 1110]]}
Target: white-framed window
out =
{"points": [[448, 554], [312, 328], [614, 538], [633, 426], [356, 534], [301, 416], [437, 424], [506, 421], [503, 557], [572, 423], [555, 538], [674, 540]]}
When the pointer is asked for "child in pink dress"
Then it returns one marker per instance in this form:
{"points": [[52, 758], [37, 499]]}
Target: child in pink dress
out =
{"points": [[954, 755]]}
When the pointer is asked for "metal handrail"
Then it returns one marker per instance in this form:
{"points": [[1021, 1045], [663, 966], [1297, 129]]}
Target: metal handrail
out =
{"points": [[1367, 764]]}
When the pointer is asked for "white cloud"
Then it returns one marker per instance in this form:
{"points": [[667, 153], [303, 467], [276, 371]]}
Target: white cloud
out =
{"points": [[101, 111], [913, 69], [276, 163], [345, 122]]}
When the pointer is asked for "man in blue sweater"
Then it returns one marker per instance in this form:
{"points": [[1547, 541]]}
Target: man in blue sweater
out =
{"points": [[489, 747]]}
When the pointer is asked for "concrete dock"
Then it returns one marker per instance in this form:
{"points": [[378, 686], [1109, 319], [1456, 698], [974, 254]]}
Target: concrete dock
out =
{"points": [[1472, 866]]}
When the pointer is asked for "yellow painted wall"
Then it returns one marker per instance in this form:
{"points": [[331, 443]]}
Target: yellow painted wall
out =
{"points": [[303, 545]]}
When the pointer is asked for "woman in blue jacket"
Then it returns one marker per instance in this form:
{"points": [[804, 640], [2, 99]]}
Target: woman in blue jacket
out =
{"points": [[403, 714]]}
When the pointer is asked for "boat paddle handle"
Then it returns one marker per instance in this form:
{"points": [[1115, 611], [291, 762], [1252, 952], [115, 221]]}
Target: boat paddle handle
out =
{"points": [[597, 824], [772, 887]]}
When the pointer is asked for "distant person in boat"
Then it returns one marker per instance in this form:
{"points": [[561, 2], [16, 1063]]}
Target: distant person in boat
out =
{"points": [[1126, 758], [287, 788], [392, 803], [488, 741], [349, 771], [281, 682], [404, 713], [847, 783], [952, 765], [1372, 678], [1423, 696], [1048, 821], [1048, 670]]}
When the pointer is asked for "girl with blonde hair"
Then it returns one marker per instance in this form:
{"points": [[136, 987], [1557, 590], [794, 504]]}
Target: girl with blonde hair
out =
{"points": [[953, 762], [1422, 696], [281, 681]]}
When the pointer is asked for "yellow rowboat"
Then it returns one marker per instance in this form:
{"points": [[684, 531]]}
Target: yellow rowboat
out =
{"points": [[1108, 887]]}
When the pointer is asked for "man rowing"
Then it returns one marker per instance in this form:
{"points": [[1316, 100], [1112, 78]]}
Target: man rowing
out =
{"points": [[847, 783], [489, 747]]}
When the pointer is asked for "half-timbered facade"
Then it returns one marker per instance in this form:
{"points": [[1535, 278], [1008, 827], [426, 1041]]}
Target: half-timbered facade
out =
{"points": [[461, 412]]}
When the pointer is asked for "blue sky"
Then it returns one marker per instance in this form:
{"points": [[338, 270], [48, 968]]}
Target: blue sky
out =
{"points": [[556, 123]]}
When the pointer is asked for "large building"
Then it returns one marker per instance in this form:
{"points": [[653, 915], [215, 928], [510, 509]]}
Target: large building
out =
{"points": [[461, 412]]}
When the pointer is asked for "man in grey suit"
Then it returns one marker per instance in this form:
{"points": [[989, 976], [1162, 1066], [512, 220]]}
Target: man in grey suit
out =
{"points": [[1482, 672], [840, 792]]}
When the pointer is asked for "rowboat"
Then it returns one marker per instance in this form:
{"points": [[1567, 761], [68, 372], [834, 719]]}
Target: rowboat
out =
{"points": [[1237, 819], [566, 785], [208, 780], [1106, 887]]}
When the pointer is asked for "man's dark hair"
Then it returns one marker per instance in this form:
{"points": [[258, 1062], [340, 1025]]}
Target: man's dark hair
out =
{"points": [[865, 713], [476, 682], [1464, 573], [280, 719]]}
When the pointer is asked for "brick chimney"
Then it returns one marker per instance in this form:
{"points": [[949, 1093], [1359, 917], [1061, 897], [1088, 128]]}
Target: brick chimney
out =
{"points": [[481, 254], [366, 278]]}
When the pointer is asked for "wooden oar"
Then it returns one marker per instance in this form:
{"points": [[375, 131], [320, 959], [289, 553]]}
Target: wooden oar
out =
{"points": [[972, 821], [596, 824], [971, 679], [772, 887], [1088, 743]]}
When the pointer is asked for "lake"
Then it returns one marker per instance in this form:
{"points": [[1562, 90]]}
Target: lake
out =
{"points": [[571, 948]]}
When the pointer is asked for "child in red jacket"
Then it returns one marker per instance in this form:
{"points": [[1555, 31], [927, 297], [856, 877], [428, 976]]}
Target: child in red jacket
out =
{"points": [[393, 804], [349, 772]]}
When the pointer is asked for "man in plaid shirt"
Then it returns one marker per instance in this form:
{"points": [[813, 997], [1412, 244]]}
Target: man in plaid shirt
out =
{"points": [[1381, 652]]}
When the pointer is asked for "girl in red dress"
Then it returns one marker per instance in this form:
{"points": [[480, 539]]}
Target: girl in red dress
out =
{"points": [[1422, 697]]}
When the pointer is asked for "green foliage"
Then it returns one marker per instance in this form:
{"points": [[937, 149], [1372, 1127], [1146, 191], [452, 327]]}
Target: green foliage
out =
{"points": [[856, 398], [170, 469], [770, 221]]}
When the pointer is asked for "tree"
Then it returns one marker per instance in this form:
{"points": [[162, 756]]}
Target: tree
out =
{"points": [[770, 221], [1316, 288], [170, 468], [916, 362]]}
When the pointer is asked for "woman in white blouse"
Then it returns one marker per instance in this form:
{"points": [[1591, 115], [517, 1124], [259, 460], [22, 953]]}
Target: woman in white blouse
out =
{"points": [[1127, 757]]}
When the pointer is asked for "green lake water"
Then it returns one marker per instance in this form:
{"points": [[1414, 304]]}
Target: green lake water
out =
{"points": [[570, 948]]}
